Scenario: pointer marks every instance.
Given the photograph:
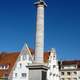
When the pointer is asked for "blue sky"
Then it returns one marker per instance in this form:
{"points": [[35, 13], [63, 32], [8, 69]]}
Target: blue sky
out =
{"points": [[62, 26]]}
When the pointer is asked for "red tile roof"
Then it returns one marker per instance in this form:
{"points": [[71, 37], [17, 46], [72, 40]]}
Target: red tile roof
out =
{"points": [[71, 62], [46, 56], [7, 59]]}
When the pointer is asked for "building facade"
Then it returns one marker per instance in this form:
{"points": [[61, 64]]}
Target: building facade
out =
{"points": [[13, 64], [19, 70], [70, 70], [53, 71]]}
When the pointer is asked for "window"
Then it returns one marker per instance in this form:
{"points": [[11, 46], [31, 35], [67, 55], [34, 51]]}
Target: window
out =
{"points": [[62, 73], [75, 73], [20, 65], [68, 73], [68, 78], [24, 56], [57, 75], [74, 78], [3, 66], [62, 78], [79, 77], [50, 73], [54, 74], [54, 56], [54, 66], [15, 74], [24, 74], [49, 67]]}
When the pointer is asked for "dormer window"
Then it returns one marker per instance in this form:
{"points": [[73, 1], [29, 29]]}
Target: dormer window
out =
{"points": [[4, 66]]}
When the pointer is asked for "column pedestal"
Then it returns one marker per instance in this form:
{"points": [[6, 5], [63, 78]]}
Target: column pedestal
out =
{"points": [[37, 72]]}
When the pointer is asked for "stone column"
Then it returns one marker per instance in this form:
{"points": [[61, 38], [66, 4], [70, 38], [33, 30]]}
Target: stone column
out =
{"points": [[39, 43]]}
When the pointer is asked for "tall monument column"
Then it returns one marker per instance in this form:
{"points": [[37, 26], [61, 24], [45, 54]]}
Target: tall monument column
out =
{"points": [[39, 43], [37, 70]]}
